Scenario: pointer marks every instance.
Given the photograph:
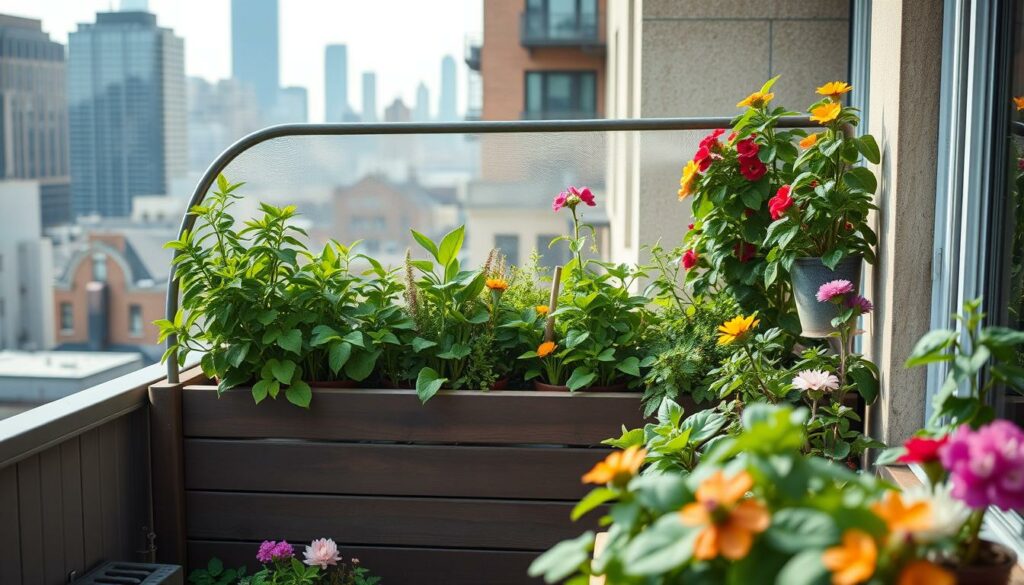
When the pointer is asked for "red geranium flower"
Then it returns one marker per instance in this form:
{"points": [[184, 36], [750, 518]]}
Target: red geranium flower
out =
{"points": [[778, 205], [704, 158], [711, 140], [922, 449], [689, 259], [752, 168], [690, 227], [744, 251], [747, 148]]}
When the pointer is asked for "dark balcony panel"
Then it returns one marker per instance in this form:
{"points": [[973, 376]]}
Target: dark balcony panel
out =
{"points": [[472, 56], [546, 28]]}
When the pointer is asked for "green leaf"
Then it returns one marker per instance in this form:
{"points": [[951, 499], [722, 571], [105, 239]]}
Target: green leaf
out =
{"points": [[355, 338], [665, 545], [291, 340], [215, 567], [299, 394], [428, 382], [768, 84], [419, 344], [282, 370], [861, 178], [629, 438], [457, 352], [795, 529], [338, 354], [832, 258], [426, 243], [264, 387], [867, 383], [595, 498], [563, 559], [869, 148], [322, 334], [236, 354], [580, 378], [805, 568], [630, 365], [450, 245], [930, 348], [361, 364]]}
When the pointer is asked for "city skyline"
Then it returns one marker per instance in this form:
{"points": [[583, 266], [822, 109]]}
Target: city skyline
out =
{"points": [[304, 34]]}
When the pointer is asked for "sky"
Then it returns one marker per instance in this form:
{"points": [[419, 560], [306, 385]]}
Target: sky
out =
{"points": [[402, 40]]}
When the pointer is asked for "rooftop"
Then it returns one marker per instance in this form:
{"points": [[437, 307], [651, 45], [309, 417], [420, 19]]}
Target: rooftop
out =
{"points": [[61, 364]]}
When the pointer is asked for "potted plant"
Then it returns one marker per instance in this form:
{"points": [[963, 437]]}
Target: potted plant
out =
{"points": [[819, 231]]}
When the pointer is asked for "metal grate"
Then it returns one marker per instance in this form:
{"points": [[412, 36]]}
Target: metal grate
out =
{"points": [[133, 574]]}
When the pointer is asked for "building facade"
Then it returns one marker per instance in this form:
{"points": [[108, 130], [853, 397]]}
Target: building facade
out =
{"points": [[218, 114], [446, 102], [336, 106], [34, 114], [26, 270], [126, 95], [255, 48], [369, 113]]}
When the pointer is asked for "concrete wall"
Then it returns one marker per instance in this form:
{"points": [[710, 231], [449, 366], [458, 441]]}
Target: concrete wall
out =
{"points": [[906, 49], [26, 270]]}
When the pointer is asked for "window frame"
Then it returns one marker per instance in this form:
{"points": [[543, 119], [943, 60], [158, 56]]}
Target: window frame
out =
{"points": [[577, 74]]}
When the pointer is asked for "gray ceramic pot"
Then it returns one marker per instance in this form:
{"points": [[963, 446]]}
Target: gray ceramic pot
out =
{"points": [[808, 274]]}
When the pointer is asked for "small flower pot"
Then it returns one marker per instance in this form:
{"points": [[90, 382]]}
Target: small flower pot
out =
{"points": [[808, 274], [993, 566], [542, 387]]}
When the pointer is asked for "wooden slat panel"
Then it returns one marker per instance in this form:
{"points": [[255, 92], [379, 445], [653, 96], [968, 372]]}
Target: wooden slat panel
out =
{"points": [[30, 516], [71, 493], [441, 522], [10, 540], [397, 565], [110, 494], [501, 417], [92, 516], [53, 516], [395, 470]]}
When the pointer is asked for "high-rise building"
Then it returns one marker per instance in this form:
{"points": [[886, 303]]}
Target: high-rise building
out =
{"points": [[421, 110], [218, 114], [255, 57], [446, 102], [292, 106], [26, 270], [369, 113], [34, 114], [127, 111], [397, 112], [134, 5], [335, 83]]}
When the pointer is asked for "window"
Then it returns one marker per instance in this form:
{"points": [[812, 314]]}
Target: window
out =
{"points": [[560, 94], [564, 20], [135, 320], [67, 319], [557, 255], [508, 244], [99, 267]]}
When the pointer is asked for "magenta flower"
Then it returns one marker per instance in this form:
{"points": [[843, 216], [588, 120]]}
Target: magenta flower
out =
{"points": [[322, 552], [986, 466], [559, 201], [861, 304], [572, 197], [834, 289], [586, 196], [271, 551]]}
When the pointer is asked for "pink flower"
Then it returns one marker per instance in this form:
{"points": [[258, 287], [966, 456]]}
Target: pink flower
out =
{"points": [[861, 304], [986, 466], [572, 197], [322, 552], [689, 259], [836, 288], [559, 201], [271, 551], [586, 196], [815, 380]]}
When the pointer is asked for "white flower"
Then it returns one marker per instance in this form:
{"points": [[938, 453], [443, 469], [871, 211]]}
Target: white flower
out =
{"points": [[815, 380], [322, 552], [948, 513]]}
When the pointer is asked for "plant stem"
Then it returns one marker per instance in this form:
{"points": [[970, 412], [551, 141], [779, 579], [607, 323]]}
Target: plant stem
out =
{"points": [[973, 536], [757, 373]]}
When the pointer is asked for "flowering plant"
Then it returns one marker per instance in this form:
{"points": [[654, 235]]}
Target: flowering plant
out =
{"points": [[321, 564], [821, 210]]}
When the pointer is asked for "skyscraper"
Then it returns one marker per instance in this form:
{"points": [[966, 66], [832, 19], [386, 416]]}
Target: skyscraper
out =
{"points": [[292, 106], [126, 97], [254, 48], [34, 114], [369, 97], [335, 83], [421, 110], [446, 103]]}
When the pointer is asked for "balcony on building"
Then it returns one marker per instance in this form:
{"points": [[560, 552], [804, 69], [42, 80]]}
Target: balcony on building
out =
{"points": [[554, 23], [471, 52]]}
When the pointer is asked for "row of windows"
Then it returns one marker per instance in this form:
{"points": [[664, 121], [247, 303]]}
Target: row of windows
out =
{"points": [[67, 319]]}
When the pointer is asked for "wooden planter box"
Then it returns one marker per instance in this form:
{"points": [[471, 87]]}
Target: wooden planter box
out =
{"points": [[468, 488]]}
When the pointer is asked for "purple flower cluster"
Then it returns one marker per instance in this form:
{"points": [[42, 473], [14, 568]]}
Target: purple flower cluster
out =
{"points": [[861, 304], [987, 466], [271, 551]]}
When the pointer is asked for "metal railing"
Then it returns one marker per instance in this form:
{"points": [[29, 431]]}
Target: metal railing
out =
{"points": [[470, 128]]}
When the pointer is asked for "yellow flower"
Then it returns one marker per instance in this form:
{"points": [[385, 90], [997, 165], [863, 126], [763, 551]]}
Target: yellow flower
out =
{"points": [[809, 141], [825, 113], [618, 468], [901, 518], [924, 573], [498, 284], [545, 349], [729, 522], [1019, 102], [686, 182], [853, 561], [835, 89], [756, 100], [736, 328], [541, 309]]}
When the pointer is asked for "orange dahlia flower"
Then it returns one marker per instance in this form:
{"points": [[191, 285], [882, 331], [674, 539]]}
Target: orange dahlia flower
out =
{"points": [[853, 561], [729, 521], [545, 349], [835, 89], [618, 468]]}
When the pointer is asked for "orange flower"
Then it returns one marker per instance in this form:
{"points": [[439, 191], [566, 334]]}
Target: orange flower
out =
{"points": [[924, 573], [835, 89], [1019, 102], [810, 141], [618, 468], [854, 560], [498, 284], [729, 521], [756, 100], [545, 349], [901, 518], [736, 328], [825, 113], [686, 182], [541, 309]]}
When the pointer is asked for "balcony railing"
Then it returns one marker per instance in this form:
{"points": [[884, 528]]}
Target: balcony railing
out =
{"points": [[540, 28]]}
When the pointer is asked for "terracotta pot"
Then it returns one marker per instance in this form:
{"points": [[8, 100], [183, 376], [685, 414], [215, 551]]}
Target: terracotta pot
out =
{"points": [[500, 384], [334, 384], [542, 387], [993, 566], [808, 274]]}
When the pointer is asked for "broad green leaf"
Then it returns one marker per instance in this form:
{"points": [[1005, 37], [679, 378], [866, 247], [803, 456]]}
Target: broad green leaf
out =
{"points": [[428, 382], [796, 529], [236, 354], [283, 370], [563, 559], [630, 365], [426, 243], [805, 568], [419, 344], [869, 148], [660, 548], [450, 245], [360, 364], [931, 348], [263, 388], [291, 340], [299, 394], [581, 378], [595, 498], [338, 355], [867, 383]]}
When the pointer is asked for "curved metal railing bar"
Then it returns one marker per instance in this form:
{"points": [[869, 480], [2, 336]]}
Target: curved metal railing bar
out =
{"points": [[506, 127]]}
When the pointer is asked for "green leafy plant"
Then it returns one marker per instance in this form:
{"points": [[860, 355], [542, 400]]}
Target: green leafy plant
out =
{"points": [[215, 574], [675, 443]]}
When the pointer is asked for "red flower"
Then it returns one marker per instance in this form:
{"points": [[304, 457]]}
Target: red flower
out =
{"points": [[778, 205], [690, 227], [752, 168], [744, 251], [689, 259], [732, 136], [711, 140], [922, 449], [748, 212], [587, 196], [747, 148], [703, 158]]}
